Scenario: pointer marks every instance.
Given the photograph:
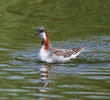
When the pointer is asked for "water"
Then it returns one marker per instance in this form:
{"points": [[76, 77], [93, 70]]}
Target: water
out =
{"points": [[70, 24]]}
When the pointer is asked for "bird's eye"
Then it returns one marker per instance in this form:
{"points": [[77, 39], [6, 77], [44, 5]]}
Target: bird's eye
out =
{"points": [[40, 30]]}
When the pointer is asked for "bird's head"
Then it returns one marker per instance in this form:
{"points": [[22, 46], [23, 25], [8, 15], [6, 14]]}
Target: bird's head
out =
{"points": [[40, 31]]}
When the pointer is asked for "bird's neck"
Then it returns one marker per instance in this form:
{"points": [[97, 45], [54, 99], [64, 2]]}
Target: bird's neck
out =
{"points": [[45, 40]]}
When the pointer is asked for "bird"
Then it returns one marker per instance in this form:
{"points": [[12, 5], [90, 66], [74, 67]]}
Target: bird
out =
{"points": [[49, 54]]}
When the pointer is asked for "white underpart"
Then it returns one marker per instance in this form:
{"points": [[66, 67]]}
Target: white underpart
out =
{"points": [[47, 57]]}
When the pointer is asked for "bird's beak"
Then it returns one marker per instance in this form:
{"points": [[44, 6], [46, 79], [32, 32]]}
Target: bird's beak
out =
{"points": [[36, 34]]}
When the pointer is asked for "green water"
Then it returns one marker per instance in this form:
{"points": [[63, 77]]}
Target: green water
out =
{"points": [[70, 23]]}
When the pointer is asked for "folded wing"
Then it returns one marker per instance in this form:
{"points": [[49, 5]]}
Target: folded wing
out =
{"points": [[68, 52]]}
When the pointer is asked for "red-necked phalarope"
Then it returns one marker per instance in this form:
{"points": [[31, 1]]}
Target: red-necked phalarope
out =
{"points": [[52, 55]]}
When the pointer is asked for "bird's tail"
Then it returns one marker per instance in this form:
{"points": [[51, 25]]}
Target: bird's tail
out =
{"points": [[77, 51]]}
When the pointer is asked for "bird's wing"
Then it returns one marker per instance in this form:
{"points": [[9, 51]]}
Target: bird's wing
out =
{"points": [[68, 52]]}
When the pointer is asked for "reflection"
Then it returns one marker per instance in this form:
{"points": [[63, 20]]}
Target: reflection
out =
{"points": [[44, 69]]}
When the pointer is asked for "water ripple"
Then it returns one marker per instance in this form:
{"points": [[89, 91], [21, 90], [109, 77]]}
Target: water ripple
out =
{"points": [[46, 95], [14, 90], [15, 77], [88, 93], [17, 69]]}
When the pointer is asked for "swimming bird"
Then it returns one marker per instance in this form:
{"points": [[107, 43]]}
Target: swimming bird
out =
{"points": [[50, 54]]}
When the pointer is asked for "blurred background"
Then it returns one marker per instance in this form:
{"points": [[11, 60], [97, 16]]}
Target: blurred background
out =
{"points": [[63, 18], [69, 23]]}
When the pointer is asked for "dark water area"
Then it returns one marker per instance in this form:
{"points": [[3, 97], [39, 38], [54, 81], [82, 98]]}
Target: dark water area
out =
{"points": [[69, 23]]}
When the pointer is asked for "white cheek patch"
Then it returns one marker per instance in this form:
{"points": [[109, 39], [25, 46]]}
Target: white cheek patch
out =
{"points": [[42, 35]]}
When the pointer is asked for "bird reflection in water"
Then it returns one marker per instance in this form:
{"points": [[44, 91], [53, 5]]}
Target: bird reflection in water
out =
{"points": [[44, 69]]}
